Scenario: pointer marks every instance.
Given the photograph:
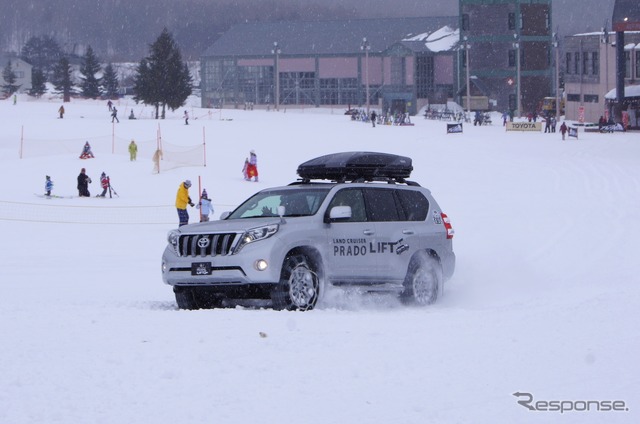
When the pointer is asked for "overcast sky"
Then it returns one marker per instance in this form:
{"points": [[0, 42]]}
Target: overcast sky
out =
{"points": [[569, 16]]}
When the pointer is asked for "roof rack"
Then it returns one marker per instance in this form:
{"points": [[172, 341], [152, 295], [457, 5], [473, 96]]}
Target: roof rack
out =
{"points": [[357, 167]]}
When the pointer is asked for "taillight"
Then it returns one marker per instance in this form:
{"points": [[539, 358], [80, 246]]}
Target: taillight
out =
{"points": [[447, 225]]}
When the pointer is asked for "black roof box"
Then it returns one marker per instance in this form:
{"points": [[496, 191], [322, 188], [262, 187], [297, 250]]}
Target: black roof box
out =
{"points": [[350, 166]]}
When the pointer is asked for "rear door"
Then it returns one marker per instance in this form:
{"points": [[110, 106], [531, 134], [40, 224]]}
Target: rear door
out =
{"points": [[397, 230]]}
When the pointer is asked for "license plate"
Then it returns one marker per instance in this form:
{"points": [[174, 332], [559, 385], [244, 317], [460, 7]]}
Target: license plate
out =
{"points": [[201, 268]]}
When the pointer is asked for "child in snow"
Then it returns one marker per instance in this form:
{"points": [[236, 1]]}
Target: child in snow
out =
{"points": [[250, 169], [48, 186], [104, 182], [86, 151], [205, 207]]}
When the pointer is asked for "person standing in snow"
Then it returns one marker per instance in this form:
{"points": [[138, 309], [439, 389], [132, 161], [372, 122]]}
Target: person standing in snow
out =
{"points": [[48, 186], [251, 166], [563, 129], [374, 116], [114, 115], [205, 207], [110, 105], [104, 182], [61, 111], [133, 150], [182, 200], [186, 117], [83, 184]]}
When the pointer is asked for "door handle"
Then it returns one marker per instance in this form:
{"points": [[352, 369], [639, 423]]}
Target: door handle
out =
{"points": [[368, 232], [408, 232]]}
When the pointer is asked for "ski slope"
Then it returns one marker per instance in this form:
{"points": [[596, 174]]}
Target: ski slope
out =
{"points": [[544, 299]]}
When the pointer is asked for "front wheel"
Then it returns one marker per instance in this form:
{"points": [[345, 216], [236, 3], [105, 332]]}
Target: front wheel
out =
{"points": [[423, 283], [299, 286]]}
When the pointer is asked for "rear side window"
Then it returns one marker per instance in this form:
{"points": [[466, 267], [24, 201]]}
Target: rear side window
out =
{"points": [[381, 205], [414, 204]]}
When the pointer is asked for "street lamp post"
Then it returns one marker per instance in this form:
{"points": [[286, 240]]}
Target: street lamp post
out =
{"points": [[276, 51], [467, 47], [365, 46], [556, 46], [516, 45]]}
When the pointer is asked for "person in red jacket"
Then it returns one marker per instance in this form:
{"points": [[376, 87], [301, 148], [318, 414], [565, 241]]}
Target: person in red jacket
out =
{"points": [[104, 182]]}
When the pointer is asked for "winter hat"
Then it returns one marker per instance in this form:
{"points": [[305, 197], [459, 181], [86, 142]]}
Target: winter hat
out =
{"points": [[204, 194], [48, 177], [253, 152], [103, 174], [83, 170], [187, 183]]}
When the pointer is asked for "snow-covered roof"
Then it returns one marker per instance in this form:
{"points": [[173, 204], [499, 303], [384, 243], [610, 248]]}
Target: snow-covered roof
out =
{"points": [[629, 91], [443, 39]]}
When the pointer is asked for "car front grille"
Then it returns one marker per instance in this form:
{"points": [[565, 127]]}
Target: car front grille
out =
{"points": [[207, 244]]}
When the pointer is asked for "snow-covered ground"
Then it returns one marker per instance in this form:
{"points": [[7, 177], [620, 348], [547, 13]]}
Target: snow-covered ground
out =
{"points": [[545, 299]]}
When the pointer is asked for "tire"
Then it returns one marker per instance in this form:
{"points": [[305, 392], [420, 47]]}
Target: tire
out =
{"points": [[299, 286], [423, 283]]}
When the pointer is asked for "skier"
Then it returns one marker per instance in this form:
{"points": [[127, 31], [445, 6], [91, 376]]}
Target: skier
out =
{"points": [[61, 111], [251, 167], [114, 115], [186, 117], [133, 150], [205, 207], [110, 105], [86, 152], [83, 183], [182, 199], [48, 186], [104, 182]]}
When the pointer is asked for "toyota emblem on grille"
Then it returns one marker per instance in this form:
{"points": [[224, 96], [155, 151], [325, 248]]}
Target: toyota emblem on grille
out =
{"points": [[203, 242]]}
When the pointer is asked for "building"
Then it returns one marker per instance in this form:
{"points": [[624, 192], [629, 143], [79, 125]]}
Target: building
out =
{"points": [[392, 65], [590, 73], [510, 51], [20, 68]]}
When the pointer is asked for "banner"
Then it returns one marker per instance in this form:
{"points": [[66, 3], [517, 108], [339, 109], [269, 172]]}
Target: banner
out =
{"points": [[524, 126], [454, 128], [573, 132]]}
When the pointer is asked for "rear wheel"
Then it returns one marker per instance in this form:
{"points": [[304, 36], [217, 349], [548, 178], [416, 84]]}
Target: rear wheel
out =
{"points": [[423, 283], [299, 286]]}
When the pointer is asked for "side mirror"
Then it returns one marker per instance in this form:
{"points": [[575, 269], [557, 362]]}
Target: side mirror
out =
{"points": [[339, 213], [225, 215]]}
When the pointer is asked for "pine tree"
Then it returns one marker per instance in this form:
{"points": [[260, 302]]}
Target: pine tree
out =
{"points": [[62, 79], [90, 84], [10, 79], [43, 53], [162, 78], [38, 80], [110, 82]]}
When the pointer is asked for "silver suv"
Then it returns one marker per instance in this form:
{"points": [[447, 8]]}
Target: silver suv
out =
{"points": [[351, 220]]}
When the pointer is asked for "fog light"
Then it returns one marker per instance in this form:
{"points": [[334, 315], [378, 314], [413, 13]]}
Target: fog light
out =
{"points": [[261, 265]]}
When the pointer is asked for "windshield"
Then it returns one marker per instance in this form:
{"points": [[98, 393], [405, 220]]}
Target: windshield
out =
{"points": [[298, 202]]}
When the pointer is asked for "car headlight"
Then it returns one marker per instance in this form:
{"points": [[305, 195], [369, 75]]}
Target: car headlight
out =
{"points": [[172, 237], [256, 234]]}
